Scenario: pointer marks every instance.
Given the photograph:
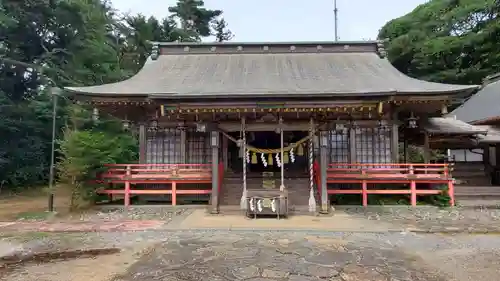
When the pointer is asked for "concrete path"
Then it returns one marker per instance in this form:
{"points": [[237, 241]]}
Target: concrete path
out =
{"points": [[340, 221]]}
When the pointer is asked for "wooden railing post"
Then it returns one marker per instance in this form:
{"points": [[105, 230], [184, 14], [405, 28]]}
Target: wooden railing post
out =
{"points": [[451, 188], [364, 189], [174, 193], [413, 187], [126, 199]]}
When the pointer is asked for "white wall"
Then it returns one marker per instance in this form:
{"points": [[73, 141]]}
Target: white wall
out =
{"points": [[466, 155]]}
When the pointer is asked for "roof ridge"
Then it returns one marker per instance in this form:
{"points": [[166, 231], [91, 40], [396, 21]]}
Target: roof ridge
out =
{"points": [[269, 43], [185, 48], [491, 78]]}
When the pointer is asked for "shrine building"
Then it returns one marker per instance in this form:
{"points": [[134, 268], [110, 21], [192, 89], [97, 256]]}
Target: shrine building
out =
{"points": [[277, 125]]}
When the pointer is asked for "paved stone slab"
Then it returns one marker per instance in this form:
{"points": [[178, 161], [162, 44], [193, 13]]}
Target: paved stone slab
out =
{"points": [[340, 221], [274, 256]]}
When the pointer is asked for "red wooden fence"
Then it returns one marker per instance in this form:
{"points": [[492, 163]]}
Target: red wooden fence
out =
{"points": [[173, 174], [383, 173]]}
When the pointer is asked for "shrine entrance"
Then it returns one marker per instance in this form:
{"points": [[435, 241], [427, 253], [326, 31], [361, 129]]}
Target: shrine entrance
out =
{"points": [[271, 140], [295, 161]]}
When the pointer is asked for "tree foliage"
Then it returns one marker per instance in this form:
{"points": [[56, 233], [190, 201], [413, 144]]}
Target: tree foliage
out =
{"points": [[73, 43], [453, 41], [86, 146]]}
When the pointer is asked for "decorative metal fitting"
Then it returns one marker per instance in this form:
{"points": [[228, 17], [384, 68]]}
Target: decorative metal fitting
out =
{"points": [[155, 52]]}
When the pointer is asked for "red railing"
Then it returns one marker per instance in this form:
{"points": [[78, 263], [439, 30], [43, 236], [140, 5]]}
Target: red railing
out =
{"points": [[317, 178], [221, 178], [387, 173], [173, 174]]}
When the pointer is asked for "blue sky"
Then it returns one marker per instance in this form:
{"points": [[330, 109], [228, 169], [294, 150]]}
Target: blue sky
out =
{"points": [[291, 20]]}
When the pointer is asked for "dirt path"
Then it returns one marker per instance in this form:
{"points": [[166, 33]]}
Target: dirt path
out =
{"points": [[46, 258], [99, 268], [32, 204]]}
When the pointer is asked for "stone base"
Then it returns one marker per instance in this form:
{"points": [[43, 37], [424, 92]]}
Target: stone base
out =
{"points": [[214, 211]]}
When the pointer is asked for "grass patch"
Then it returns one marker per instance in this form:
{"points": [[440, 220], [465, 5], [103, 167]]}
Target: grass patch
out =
{"points": [[25, 237], [35, 216]]}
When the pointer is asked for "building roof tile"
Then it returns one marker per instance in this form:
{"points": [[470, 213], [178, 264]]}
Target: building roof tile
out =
{"points": [[257, 69], [481, 106]]}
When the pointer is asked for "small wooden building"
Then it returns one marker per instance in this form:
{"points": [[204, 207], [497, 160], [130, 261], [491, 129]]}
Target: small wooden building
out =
{"points": [[300, 117], [477, 156]]}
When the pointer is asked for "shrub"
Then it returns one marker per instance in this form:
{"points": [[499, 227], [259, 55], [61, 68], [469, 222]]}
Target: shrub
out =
{"points": [[84, 153]]}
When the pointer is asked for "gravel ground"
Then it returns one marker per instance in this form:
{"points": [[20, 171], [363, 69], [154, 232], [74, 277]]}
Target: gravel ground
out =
{"points": [[278, 255], [433, 219], [173, 255]]}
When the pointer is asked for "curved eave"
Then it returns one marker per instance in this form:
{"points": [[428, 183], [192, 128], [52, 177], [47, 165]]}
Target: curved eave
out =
{"points": [[281, 74]]}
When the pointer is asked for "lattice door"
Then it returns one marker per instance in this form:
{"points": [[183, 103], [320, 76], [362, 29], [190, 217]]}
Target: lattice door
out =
{"points": [[338, 142], [373, 145], [164, 147], [198, 148]]}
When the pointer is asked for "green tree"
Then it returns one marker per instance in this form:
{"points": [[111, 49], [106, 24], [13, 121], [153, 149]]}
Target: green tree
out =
{"points": [[453, 41], [195, 19], [221, 30], [71, 43]]}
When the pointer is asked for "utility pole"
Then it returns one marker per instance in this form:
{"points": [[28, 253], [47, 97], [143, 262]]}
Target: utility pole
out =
{"points": [[335, 11]]}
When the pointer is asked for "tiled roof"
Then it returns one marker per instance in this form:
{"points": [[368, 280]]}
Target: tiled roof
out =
{"points": [[440, 125], [271, 69], [493, 135], [481, 106]]}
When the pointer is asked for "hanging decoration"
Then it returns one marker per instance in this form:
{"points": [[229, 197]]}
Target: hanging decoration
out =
{"points": [[278, 161], [263, 159], [312, 199], [266, 155], [247, 156], [254, 158], [243, 144], [300, 149]]}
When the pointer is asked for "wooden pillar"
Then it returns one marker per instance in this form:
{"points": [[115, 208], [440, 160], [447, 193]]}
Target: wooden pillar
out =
{"points": [[405, 149], [225, 153], [395, 138], [352, 143], [142, 144], [427, 149], [323, 165], [214, 143], [183, 146]]}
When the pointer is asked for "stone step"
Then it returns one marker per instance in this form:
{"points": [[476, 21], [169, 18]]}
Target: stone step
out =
{"points": [[298, 189], [479, 191], [469, 173], [473, 181]]}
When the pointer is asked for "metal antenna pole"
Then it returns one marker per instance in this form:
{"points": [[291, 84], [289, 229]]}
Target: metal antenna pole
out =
{"points": [[335, 11]]}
